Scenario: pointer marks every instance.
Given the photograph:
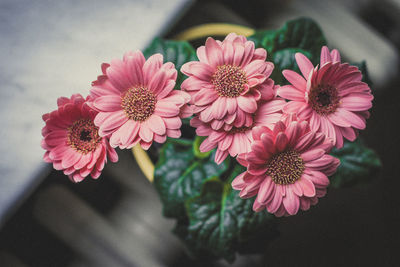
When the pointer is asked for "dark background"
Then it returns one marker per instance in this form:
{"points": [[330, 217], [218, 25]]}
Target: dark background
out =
{"points": [[354, 226]]}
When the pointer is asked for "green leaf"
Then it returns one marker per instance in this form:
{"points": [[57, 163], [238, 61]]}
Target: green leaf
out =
{"points": [[179, 175], [358, 163], [177, 52], [302, 33], [220, 223], [285, 59]]}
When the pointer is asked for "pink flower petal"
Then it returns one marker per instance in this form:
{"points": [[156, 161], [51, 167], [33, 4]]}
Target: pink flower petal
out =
{"points": [[83, 161], [117, 79], [338, 120], [260, 53], [214, 52], [231, 105], [108, 103], [173, 123], [348, 133], [151, 66], [281, 141], [220, 156], [145, 145], [201, 54], [247, 104], [70, 157], [238, 53], [238, 183], [160, 138], [173, 133], [225, 143], [357, 102], [276, 202], [325, 55], [321, 162], [58, 152], [134, 63], [217, 124], [311, 155], [291, 93], [219, 109], [291, 202], [158, 81], [255, 67], [265, 193], [145, 133], [156, 124], [318, 178], [55, 138], [228, 52], [351, 118], [307, 186], [205, 97], [295, 79], [206, 145], [166, 109], [248, 53], [304, 64], [113, 121], [335, 55]]}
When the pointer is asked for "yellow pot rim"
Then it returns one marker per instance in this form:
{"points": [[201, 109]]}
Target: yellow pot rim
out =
{"points": [[193, 33]]}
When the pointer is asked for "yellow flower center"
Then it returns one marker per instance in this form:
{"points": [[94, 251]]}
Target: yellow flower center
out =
{"points": [[285, 167], [139, 103], [229, 80]]}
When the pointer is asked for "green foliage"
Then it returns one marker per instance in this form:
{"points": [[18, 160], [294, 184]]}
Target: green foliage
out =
{"points": [[179, 174], [302, 33], [358, 163], [221, 222]]}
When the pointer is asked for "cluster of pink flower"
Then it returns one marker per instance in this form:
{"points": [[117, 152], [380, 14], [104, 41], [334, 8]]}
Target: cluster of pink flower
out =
{"points": [[284, 145]]}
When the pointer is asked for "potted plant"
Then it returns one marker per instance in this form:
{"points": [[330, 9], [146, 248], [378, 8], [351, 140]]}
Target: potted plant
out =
{"points": [[255, 126]]}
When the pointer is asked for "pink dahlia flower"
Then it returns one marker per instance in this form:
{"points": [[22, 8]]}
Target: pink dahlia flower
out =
{"points": [[237, 140], [332, 97], [287, 168], [137, 102], [228, 81], [72, 142]]}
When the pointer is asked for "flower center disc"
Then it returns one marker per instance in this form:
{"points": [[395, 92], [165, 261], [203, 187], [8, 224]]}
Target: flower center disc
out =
{"points": [[324, 99], [285, 167], [83, 136], [138, 103], [229, 80]]}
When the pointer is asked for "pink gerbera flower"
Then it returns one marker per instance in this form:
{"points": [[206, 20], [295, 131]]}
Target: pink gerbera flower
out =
{"points": [[72, 140], [332, 97], [287, 168], [237, 140], [136, 101], [225, 84]]}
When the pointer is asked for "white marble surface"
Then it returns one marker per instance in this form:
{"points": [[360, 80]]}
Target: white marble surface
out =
{"points": [[54, 48]]}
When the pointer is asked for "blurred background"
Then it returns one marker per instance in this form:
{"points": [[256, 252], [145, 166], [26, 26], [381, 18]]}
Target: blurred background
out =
{"points": [[53, 48]]}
